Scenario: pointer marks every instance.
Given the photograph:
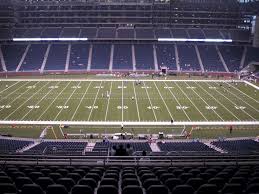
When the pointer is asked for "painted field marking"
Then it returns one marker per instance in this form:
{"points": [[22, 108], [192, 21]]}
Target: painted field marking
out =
{"points": [[178, 102], [150, 101], [136, 100], [81, 100], [244, 92], [122, 103], [9, 87], [108, 102], [218, 102], [53, 101]]}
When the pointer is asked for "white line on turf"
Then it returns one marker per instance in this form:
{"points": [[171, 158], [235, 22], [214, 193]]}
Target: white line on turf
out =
{"points": [[243, 93], [15, 91], [17, 97], [53, 101], [171, 116], [232, 102], [250, 84], [191, 101], [177, 101], [218, 101], [89, 116], [204, 101], [72, 118], [108, 102], [43, 98], [136, 100], [67, 101], [9, 87], [26, 100], [240, 99], [150, 101], [122, 104]]}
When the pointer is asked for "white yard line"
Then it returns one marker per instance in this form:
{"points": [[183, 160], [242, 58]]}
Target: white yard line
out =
{"points": [[232, 103], [17, 97], [218, 101], [150, 101], [67, 101], [177, 101], [15, 91], [26, 100], [53, 101], [122, 103], [9, 87], [81, 100], [43, 98], [136, 100], [241, 99], [108, 102], [250, 84], [243, 92], [171, 116], [94, 101], [191, 102], [204, 101]]}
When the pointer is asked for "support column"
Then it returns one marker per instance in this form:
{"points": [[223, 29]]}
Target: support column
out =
{"points": [[199, 58], [242, 62], [111, 58], [177, 58], [68, 58], [222, 59], [45, 59], [90, 58], [2, 59], [23, 57], [133, 57], [155, 57]]}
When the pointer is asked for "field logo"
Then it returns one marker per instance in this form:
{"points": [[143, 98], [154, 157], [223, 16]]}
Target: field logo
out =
{"points": [[62, 107], [182, 107], [211, 107], [124, 107], [240, 107], [153, 107]]}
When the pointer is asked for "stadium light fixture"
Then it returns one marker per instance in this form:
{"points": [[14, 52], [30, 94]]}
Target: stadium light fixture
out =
{"points": [[48, 39], [193, 40]]}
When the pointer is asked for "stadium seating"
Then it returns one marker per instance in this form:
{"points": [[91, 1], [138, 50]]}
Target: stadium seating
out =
{"points": [[166, 56], [144, 33], [127, 33], [252, 55], [212, 34], [144, 56], [196, 33], [5, 34], [163, 33], [51, 32], [88, 32], [156, 179], [122, 57], [57, 57], [70, 33], [101, 56], [79, 56], [33, 33], [238, 146], [34, 57], [106, 33], [10, 145]]}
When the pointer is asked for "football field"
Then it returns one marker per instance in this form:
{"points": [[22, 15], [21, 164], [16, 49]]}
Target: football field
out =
{"points": [[116, 102]]}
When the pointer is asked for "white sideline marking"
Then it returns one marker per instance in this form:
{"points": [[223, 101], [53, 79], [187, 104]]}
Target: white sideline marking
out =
{"points": [[218, 102], [177, 102], [26, 100], [245, 93], [250, 84], [150, 101], [191, 102], [136, 100], [67, 101], [233, 103], [9, 87], [94, 101], [72, 118], [39, 102], [15, 91], [171, 116], [241, 100], [16, 96], [108, 102], [204, 101], [53, 101], [116, 123], [122, 105]]}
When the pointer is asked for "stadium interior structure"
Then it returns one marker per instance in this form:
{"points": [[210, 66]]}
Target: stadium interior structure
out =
{"points": [[129, 96]]}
